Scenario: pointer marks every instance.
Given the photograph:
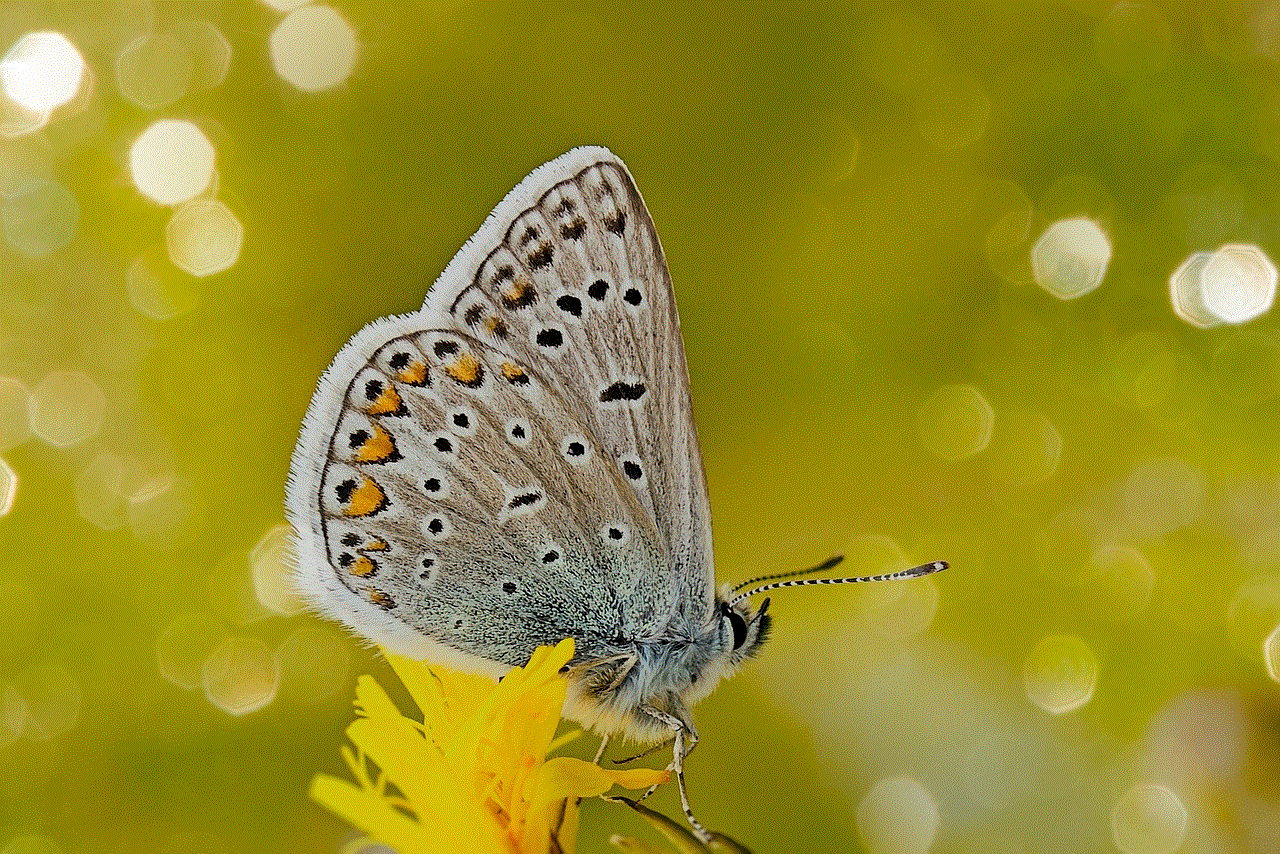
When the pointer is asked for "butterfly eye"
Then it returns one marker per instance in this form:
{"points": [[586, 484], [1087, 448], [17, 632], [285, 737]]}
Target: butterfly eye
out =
{"points": [[739, 626]]}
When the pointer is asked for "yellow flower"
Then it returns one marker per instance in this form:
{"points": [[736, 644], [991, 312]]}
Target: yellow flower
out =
{"points": [[474, 775]]}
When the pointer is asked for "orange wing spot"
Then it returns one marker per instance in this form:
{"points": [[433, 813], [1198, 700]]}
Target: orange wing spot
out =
{"points": [[381, 599], [414, 374], [388, 403], [519, 294], [376, 546], [378, 448], [366, 499], [514, 373], [496, 326], [465, 369], [362, 567]]}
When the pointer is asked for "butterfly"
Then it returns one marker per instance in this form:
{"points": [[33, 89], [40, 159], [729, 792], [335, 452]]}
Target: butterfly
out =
{"points": [[516, 463]]}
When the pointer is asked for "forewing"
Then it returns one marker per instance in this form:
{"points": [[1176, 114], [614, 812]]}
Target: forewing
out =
{"points": [[568, 275]]}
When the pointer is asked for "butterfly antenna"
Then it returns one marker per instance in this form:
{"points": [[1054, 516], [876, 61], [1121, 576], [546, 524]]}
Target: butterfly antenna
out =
{"points": [[913, 572], [826, 564]]}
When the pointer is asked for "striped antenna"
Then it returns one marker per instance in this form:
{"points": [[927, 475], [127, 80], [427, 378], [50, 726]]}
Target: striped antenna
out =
{"points": [[826, 564], [913, 572]]}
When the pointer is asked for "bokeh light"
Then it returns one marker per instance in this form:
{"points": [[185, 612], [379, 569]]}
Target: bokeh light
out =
{"points": [[1060, 674], [171, 161], [240, 676], [154, 70], [898, 816], [1149, 819], [1070, 259], [313, 48], [203, 237], [1186, 291], [66, 408], [956, 422], [42, 71]]}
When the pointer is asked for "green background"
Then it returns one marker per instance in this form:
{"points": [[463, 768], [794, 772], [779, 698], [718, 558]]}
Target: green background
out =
{"points": [[848, 197]]}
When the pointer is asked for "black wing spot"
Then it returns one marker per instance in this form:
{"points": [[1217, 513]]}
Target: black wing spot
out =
{"points": [[617, 222], [350, 540], [509, 587], [524, 500], [373, 390], [445, 348], [632, 296], [576, 449], [399, 361], [632, 469], [565, 207], [541, 257], [358, 438], [461, 420], [517, 431], [622, 391], [551, 556], [506, 271], [530, 234], [436, 526], [472, 315], [573, 230], [428, 562], [615, 533], [570, 304], [432, 484], [345, 560], [443, 445], [599, 288], [344, 490], [550, 338]]}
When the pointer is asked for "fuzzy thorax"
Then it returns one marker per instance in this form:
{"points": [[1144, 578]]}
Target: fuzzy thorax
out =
{"points": [[615, 694]]}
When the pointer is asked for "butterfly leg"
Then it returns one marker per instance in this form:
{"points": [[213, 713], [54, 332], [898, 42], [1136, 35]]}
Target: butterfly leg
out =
{"points": [[685, 738], [604, 742]]}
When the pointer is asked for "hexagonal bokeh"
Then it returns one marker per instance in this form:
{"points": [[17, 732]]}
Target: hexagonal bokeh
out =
{"points": [[241, 676], [314, 48], [956, 422], [154, 70], [42, 71], [171, 161], [67, 407], [1070, 259], [204, 237], [1060, 674], [1186, 293]]}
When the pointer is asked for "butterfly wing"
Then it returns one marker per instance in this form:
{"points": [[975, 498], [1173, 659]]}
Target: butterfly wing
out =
{"points": [[514, 463]]}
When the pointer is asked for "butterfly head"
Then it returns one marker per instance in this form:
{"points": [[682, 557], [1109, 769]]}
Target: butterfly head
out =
{"points": [[743, 629]]}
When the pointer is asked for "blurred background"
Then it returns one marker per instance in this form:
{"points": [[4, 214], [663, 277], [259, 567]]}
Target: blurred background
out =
{"points": [[983, 282]]}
